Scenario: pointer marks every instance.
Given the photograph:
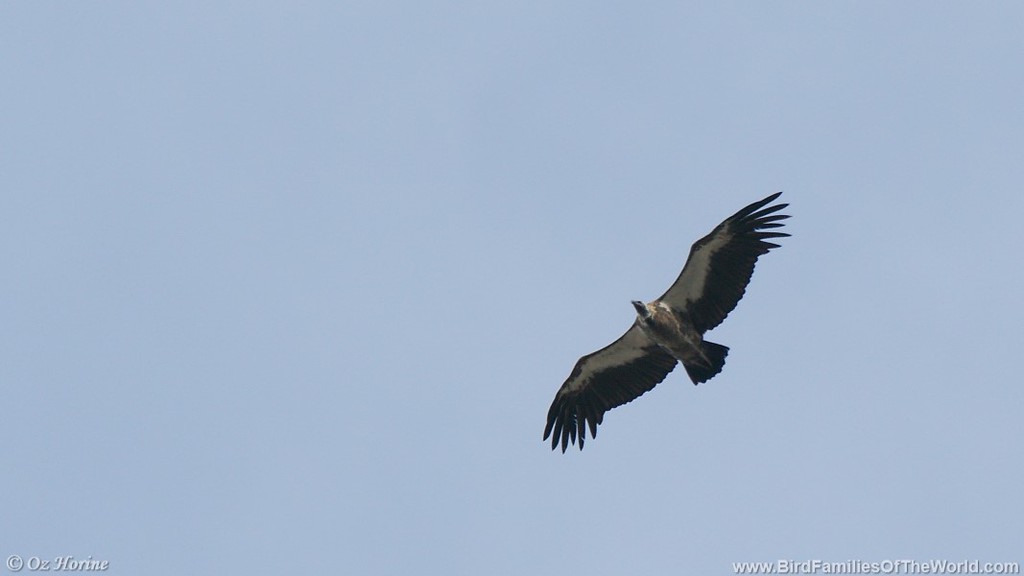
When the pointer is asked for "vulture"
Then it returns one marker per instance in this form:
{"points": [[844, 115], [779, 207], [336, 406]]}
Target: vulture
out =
{"points": [[670, 329]]}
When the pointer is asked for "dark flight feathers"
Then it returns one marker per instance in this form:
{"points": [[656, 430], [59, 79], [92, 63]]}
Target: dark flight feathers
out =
{"points": [[626, 368], [720, 264]]}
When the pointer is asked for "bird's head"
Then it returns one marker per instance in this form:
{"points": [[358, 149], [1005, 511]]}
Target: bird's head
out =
{"points": [[641, 309]]}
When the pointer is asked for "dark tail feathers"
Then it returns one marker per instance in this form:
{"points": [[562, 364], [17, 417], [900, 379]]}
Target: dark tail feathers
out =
{"points": [[703, 372]]}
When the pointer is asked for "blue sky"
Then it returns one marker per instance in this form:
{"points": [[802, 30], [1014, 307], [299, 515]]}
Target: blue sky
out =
{"points": [[290, 286]]}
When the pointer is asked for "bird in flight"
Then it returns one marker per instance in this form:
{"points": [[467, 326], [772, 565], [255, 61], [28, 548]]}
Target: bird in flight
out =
{"points": [[670, 329]]}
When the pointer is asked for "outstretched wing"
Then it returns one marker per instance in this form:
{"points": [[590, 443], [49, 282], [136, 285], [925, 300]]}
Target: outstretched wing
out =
{"points": [[720, 264], [610, 377]]}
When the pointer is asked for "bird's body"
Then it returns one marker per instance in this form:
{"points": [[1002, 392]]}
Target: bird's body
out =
{"points": [[670, 329], [675, 333]]}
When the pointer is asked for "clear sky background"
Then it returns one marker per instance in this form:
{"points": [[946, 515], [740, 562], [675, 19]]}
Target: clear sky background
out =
{"points": [[289, 287]]}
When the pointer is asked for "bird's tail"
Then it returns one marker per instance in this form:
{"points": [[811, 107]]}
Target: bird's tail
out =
{"points": [[701, 370]]}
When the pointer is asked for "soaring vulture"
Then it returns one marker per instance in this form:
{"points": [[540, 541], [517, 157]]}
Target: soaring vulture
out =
{"points": [[670, 329]]}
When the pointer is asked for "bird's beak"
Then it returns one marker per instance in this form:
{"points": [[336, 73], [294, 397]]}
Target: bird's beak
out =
{"points": [[640, 308]]}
